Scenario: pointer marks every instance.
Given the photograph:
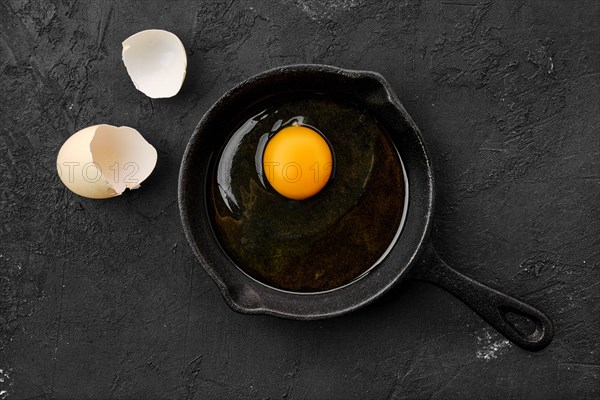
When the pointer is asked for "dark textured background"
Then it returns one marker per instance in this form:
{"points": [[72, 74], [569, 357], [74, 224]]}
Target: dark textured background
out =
{"points": [[104, 299]]}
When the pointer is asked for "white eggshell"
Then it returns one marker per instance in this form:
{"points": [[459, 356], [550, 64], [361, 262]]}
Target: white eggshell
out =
{"points": [[156, 62], [101, 161]]}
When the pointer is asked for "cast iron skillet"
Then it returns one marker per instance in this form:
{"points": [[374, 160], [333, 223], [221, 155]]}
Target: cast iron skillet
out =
{"points": [[412, 256]]}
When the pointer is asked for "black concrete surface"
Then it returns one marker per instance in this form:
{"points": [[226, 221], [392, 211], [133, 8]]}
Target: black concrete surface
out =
{"points": [[104, 299]]}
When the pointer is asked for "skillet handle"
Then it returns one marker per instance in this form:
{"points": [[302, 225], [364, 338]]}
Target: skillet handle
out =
{"points": [[490, 304]]}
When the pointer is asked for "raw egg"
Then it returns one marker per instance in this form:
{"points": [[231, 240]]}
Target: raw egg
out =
{"points": [[297, 162], [325, 241]]}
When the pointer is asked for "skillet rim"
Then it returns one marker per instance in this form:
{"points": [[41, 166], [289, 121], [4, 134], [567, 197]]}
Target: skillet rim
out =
{"points": [[244, 298]]}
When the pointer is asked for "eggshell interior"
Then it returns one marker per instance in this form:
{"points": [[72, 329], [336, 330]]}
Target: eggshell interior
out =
{"points": [[156, 62], [123, 155]]}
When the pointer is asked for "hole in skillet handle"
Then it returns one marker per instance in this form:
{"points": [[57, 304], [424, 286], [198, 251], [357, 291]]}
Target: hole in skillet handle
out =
{"points": [[522, 324]]}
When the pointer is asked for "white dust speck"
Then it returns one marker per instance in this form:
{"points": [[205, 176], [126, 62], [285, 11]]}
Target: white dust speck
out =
{"points": [[4, 377], [491, 345]]}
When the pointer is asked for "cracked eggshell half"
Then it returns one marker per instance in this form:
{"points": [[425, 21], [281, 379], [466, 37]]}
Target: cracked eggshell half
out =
{"points": [[156, 62], [101, 161]]}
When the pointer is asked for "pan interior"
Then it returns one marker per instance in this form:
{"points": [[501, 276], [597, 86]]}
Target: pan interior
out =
{"points": [[326, 241]]}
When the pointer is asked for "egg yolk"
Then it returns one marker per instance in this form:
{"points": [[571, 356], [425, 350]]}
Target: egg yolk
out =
{"points": [[297, 162]]}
